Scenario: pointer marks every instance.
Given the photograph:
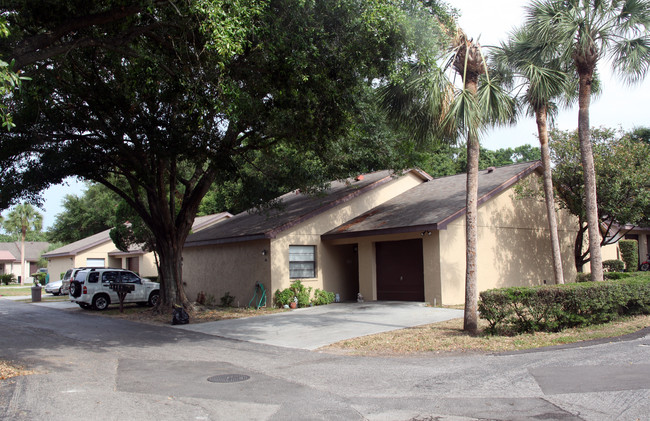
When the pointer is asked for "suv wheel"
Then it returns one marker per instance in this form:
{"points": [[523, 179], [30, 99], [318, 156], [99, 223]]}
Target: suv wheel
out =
{"points": [[75, 288], [101, 302], [154, 298]]}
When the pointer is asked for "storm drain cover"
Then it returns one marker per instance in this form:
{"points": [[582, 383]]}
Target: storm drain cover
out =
{"points": [[228, 378]]}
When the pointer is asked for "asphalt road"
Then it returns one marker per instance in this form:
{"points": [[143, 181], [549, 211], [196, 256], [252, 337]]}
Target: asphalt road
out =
{"points": [[90, 367]]}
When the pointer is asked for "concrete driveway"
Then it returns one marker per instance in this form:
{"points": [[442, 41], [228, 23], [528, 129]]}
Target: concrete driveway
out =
{"points": [[314, 327]]}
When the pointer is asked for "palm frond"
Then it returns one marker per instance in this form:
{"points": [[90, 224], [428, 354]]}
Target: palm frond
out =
{"points": [[464, 116], [495, 105], [631, 58], [419, 102]]}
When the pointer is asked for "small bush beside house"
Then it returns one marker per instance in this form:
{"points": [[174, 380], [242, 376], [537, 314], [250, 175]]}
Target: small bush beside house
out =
{"points": [[7, 278], [629, 254], [556, 307], [301, 293]]}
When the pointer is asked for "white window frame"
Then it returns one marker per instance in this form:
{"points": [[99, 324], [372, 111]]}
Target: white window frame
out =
{"points": [[299, 260]]}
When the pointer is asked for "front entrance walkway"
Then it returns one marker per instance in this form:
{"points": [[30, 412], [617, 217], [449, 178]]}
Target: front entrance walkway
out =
{"points": [[314, 327]]}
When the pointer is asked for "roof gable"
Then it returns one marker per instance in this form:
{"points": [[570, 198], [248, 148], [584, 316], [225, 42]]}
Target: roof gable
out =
{"points": [[431, 205], [294, 208], [77, 247]]}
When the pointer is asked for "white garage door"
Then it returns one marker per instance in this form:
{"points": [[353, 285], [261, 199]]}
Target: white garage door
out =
{"points": [[95, 263]]}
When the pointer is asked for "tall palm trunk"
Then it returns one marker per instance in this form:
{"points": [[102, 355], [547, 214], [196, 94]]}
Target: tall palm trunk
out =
{"points": [[470, 322], [587, 159], [542, 130], [23, 235]]}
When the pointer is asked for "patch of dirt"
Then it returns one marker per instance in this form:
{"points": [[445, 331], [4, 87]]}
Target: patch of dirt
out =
{"points": [[201, 314]]}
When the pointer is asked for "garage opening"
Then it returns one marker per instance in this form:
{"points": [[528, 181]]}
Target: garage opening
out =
{"points": [[400, 270]]}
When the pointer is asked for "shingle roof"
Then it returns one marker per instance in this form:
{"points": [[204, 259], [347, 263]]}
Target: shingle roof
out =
{"points": [[431, 205], [295, 207], [202, 222], [80, 245], [33, 250], [104, 237], [6, 256]]}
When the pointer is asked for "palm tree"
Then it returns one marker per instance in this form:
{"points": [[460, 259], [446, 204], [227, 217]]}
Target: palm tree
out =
{"points": [[428, 103], [521, 59], [583, 32], [21, 220]]}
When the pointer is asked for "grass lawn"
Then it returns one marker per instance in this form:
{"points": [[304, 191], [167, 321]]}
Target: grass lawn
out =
{"points": [[13, 291], [449, 337]]}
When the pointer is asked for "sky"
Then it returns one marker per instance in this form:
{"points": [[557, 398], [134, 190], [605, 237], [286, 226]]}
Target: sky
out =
{"points": [[489, 22]]}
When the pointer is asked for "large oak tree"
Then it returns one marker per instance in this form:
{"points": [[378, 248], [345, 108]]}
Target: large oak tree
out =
{"points": [[168, 97]]}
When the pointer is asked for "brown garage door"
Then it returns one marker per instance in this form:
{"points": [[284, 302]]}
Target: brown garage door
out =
{"points": [[400, 272]]}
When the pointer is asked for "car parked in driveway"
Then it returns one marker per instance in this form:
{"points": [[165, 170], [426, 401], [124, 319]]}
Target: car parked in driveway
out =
{"points": [[67, 277], [54, 287], [94, 288]]}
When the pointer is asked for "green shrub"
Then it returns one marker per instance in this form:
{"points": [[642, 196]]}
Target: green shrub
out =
{"points": [[617, 275], [227, 299], [583, 277], [40, 277], [283, 297], [613, 265], [322, 297], [629, 254], [7, 278], [556, 307], [301, 292]]}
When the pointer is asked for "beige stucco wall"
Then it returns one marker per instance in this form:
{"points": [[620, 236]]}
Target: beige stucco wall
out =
{"points": [[328, 266], [58, 265], [513, 246], [232, 268], [146, 263]]}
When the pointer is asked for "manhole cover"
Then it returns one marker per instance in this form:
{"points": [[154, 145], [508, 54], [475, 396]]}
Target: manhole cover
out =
{"points": [[228, 378]]}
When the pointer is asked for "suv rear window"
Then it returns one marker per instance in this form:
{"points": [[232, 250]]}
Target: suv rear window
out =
{"points": [[93, 277]]}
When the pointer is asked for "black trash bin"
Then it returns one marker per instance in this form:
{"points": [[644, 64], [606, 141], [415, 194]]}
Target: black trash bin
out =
{"points": [[36, 294]]}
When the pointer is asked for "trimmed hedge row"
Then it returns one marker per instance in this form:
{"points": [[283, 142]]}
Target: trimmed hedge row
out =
{"points": [[556, 307]]}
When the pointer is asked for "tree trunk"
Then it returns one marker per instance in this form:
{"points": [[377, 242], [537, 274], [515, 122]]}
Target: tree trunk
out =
{"points": [[170, 270], [23, 235], [587, 159], [542, 130], [471, 230]]}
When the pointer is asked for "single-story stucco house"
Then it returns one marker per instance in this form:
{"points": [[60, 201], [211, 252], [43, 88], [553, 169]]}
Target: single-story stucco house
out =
{"points": [[10, 258], [386, 236], [99, 251]]}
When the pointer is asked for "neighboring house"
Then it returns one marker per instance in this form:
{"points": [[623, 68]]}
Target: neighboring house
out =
{"points": [[10, 257], [387, 237], [99, 251]]}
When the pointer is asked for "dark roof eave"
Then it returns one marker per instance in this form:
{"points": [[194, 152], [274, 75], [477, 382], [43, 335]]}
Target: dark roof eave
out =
{"points": [[66, 254], [79, 250], [387, 231]]}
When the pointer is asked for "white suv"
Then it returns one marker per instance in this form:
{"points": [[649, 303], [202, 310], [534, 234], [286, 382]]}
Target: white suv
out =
{"points": [[91, 288]]}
